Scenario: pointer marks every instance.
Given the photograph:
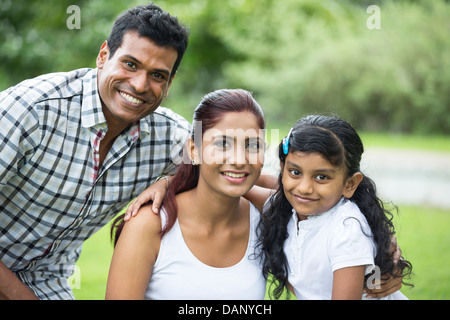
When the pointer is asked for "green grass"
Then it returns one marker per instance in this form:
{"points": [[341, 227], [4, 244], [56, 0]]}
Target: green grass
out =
{"points": [[391, 140], [422, 234], [425, 241], [93, 266]]}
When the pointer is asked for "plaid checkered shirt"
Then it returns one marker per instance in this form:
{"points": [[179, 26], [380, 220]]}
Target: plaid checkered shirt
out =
{"points": [[53, 196]]}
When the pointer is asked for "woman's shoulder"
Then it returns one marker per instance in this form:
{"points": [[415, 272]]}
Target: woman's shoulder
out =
{"points": [[145, 221]]}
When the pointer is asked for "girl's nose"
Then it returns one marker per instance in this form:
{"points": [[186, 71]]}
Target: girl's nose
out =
{"points": [[305, 186]]}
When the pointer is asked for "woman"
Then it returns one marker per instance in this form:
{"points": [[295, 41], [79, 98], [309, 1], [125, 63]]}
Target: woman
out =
{"points": [[202, 245]]}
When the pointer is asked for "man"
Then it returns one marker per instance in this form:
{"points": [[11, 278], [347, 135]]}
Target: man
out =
{"points": [[76, 147]]}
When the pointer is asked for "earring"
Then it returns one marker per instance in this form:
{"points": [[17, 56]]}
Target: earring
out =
{"points": [[193, 162]]}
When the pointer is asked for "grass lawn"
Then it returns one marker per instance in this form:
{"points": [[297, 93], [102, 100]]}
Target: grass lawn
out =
{"points": [[422, 234]]}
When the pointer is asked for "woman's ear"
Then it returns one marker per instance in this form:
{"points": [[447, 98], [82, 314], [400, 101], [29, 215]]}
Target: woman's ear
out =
{"points": [[351, 184], [192, 151]]}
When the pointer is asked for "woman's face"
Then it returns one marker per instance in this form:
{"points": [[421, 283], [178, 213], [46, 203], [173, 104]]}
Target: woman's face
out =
{"points": [[232, 154]]}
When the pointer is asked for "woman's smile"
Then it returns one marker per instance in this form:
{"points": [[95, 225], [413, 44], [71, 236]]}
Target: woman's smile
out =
{"points": [[235, 176]]}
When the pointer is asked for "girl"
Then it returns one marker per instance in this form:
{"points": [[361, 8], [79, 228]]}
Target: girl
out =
{"points": [[325, 229], [201, 246]]}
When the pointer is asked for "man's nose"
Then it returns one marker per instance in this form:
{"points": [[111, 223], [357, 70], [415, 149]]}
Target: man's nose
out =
{"points": [[140, 82]]}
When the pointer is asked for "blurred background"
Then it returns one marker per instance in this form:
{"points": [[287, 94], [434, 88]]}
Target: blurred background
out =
{"points": [[382, 65]]}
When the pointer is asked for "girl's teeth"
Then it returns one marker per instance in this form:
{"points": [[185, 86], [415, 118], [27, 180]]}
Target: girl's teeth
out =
{"points": [[130, 98], [234, 175]]}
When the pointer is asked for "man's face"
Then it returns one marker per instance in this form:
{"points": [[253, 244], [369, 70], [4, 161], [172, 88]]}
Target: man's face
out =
{"points": [[133, 82]]}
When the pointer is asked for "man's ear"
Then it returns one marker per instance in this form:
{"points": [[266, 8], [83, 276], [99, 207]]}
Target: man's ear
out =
{"points": [[103, 55], [351, 184]]}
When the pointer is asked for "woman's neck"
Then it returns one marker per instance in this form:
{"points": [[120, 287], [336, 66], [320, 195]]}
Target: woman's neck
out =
{"points": [[209, 208]]}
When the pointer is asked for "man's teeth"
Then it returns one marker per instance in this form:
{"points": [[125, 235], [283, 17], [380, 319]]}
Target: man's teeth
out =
{"points": [[130, 98], [234, 175]]}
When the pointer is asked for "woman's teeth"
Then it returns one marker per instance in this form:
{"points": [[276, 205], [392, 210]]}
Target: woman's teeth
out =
{"points": [[234, 175], [130, 98]]}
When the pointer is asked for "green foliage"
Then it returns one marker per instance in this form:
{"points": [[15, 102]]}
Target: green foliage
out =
{"points": [[297, 56], [310, 56]]}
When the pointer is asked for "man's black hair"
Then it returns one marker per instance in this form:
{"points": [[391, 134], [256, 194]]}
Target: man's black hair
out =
{"points": [[152, 22]]}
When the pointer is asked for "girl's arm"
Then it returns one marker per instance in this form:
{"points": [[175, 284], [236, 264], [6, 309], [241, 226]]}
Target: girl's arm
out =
{"points": [[134, 256], [348, 283]]}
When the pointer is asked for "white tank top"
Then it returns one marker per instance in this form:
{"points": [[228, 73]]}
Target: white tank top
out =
{"points": [[178, 274]]}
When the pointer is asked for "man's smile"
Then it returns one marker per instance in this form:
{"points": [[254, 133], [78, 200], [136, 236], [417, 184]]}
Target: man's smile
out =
{"points": [[131, 98]]}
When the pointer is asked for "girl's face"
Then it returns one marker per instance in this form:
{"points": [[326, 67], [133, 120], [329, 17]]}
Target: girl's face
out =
{"points": [[232, 154], [313, 185]]}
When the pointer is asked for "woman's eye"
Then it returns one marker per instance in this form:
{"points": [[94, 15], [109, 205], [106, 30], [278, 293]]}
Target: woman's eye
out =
{"points": [[223, 144], [295, 172], [254, 146]]}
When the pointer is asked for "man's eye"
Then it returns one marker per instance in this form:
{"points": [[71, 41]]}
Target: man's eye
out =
{"points": [[159, 76], [130, 65]]}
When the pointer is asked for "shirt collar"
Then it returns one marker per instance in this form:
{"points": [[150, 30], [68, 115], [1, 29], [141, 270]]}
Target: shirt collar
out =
{"points": [[91, 106]]}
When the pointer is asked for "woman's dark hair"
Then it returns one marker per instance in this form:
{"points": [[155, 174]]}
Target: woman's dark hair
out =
{"points": [[208, 113], [338, 142], [152, 22]]}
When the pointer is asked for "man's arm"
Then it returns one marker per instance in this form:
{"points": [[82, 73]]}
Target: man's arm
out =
{"points": [[11, 288]]}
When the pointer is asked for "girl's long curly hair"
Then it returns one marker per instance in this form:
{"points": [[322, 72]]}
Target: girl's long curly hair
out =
{"points": [[338, 142]]}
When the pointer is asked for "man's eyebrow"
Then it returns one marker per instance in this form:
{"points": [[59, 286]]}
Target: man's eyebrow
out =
{"points": [[130, 57]]}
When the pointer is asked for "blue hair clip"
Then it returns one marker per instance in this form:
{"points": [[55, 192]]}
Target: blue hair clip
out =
{"points": [[286, 142]]}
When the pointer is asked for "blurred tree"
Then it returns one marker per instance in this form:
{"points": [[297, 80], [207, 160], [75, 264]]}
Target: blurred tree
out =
{"points": [[297, 56]]}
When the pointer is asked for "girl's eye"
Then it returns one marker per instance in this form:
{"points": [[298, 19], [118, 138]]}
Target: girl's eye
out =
{"points": [[321, 177], [294, 172]]}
